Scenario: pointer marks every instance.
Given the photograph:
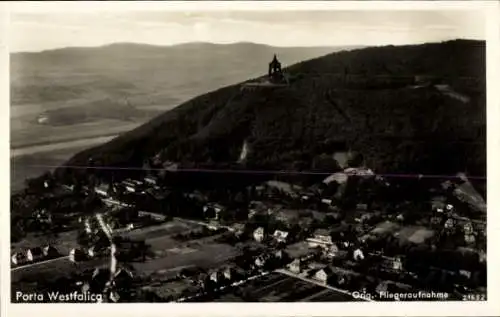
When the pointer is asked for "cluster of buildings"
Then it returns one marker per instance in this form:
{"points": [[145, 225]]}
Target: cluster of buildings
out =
{"points": [[33, 255], [313, 237]]}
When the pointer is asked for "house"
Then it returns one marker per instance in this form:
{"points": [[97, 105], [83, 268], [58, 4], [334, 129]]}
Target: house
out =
{"points": [[382, 287], [258, 234], [137, 182], [151, 180], [87, 226], [278, 254], [362, 207], [228, 273], [130, 186], [123, 278], [436, 220], [397, 264], [102, 190], [34, 254], [468, 228], [42, 216], [358, 255], [214, 225], [392, 263], [465, 273], [449, 224], [321, 237], [438, 203], [332, 251], [480, 225], [50, 252], [91, 252], [96, 250], [76, 255], [470, 238], [260, 261], [251, 213], [212, 210], [296, 266], [280, 236], [114, 297], [238, 229], [216, 277], [260, 189], [327, 201], [323, 275], [482, 257], [366, 217], [19, 258]]}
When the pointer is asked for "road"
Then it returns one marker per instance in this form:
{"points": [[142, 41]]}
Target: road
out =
{"points": [[27, 266], [305, 279], [170, 255]]}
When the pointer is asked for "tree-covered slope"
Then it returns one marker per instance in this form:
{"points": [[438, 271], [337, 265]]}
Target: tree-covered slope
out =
{"points": [[368, 100]]}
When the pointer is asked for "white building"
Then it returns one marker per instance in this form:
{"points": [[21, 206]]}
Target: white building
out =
{"points": [[76, 255], [258, 234], [321, 237], [18, 258], [358, 255], [323, 275], [34, 254], [327, 201], [280, 236], [102, 190]]}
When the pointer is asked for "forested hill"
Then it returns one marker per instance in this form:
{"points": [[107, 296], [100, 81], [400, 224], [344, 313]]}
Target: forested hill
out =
{"points": [[407, 109]]}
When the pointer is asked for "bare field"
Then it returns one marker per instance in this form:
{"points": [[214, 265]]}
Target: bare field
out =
{"points": [[170, 254], [276, 287], [165, 229], [415, 234], [206, 255]]}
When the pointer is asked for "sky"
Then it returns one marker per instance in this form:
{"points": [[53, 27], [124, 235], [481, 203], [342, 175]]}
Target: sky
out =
{"points": [[42, 30]]}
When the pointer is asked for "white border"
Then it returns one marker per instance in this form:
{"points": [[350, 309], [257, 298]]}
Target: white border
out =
{"points": [[491, 307], [92, 6]]}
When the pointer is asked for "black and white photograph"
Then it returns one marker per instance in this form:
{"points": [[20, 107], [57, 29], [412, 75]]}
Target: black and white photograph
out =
{"points": [[267, 156]]}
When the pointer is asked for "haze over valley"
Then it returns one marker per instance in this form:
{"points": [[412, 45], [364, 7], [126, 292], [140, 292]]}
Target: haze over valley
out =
{"points": [[65, 100]]}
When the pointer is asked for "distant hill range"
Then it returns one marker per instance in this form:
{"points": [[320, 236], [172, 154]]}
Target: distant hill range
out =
{"points": [[115, 81], [407, 109]]}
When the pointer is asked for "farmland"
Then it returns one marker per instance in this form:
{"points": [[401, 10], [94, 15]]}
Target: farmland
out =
{"points": [[415, 234], [167, 255], [277, 287]]}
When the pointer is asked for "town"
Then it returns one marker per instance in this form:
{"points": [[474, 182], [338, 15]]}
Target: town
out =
{"points": [[152, 238]]}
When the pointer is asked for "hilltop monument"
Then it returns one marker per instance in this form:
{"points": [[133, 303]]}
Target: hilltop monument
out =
{"points": [[275, 73]]}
